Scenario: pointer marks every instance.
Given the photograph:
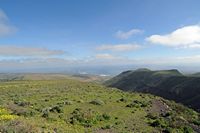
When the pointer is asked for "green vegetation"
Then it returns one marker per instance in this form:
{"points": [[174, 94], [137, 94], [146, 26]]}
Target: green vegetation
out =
{"points": [[77, 107], [170, 84], [52, 76]]}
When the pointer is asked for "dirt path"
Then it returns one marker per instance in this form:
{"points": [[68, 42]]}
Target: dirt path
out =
{"points": [[159, 106]]}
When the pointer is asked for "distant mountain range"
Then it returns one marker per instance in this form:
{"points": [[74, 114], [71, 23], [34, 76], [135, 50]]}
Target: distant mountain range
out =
{"points": [[170, 84], [52, 76]]}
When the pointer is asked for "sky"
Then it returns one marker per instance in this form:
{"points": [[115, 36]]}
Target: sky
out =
{"points": [[72, 35]]}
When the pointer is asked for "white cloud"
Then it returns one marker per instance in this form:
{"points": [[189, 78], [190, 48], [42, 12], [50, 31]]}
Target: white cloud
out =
{"points": [[99, 60], [5, 27], [125, 35], [110, 59], [119, 47], [3, 16], [189, 59], [105, 56], [33, 63], [185, 37], [27, 51]]}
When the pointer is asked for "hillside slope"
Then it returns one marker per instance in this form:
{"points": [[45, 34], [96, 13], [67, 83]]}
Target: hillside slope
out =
{"points": [[70, 106], [169, 84], [52, 76]]}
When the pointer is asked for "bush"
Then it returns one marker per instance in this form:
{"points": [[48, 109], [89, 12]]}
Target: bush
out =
{"points": [[80, 101], [18, 126], [187, 129], [152, 116], [167, 114], [68, 102], [137, 104], [21, 111], [56, 108], [87, 118], [45, 113], [106, 116], [158, 123], [97, 102], [144, 104], [155, 123], [22, 103], [107, 127], [167, 130], [132, 105], [118, 123], [196, 122], [122, 100]]}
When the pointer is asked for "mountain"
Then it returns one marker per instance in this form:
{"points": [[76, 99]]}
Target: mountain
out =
{"points": [[141, 79], [170, 84], [10, 77], [52, 76], [194, 75], [74, 106]]}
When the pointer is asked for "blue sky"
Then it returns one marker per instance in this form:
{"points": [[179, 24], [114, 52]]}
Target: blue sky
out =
{"points": [[37, 34]]}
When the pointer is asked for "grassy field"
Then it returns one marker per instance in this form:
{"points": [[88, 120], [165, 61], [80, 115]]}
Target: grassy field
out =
{"points": [[71, 106]]}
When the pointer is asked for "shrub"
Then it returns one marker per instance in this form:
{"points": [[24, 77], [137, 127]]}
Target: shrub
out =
{"points": [[118, 123], [167, 130], [22, 103], [68, 102], [137, 104], [196, 122], [187, 129], [122, 100], [87, 118], [106, 116], [18, 126], [56, 108], [97, 102], [167, 114], [132, 105], [80, 101], [18, 110], [155, 123], [144, 104], [107, 127], [152, 116], [45, 113], [3, 111], [158, 123], [7, 117]]}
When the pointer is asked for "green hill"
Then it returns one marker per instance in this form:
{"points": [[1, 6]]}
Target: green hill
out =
{"points": [[170, 84], [71, 106], [52, 76], [140, 79], [194, 75], [10, 77]]}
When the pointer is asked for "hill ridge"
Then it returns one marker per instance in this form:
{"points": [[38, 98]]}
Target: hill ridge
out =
{"points": [[170, 84]]}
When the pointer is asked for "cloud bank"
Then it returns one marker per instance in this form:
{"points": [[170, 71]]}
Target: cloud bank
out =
{"points": [[185, 37], [119, 47], [104, 56], [27, 51]]}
